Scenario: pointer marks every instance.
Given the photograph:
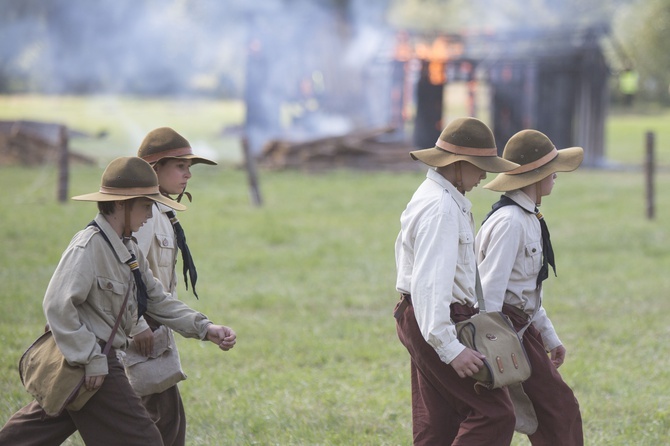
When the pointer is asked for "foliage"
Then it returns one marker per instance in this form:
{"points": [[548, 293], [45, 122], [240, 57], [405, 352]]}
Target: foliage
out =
{"points": [[643, 28], [485, 15]]}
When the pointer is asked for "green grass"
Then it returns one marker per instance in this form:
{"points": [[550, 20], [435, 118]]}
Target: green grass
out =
{"points": [[127, 120], [307, 281]]}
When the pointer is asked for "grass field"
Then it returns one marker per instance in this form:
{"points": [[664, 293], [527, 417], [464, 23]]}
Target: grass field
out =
{"points": [[307, 281]]}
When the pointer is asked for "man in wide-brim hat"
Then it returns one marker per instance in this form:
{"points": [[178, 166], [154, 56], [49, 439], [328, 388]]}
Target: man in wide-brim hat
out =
{"points": [[514, 253], [436, 279], [102, 265]]}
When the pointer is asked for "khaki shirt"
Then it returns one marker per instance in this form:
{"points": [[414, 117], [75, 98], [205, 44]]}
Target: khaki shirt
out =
{"points": [[87, 290], [435, 260], [158, 242], [509, 253]]}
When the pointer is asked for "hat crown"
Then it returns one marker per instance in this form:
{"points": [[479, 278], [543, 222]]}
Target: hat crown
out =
{"points": [[163, 139], [129, 173], [528, 146], [468, 132]]}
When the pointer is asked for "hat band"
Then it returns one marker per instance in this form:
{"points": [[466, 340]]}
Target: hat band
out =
{"points": [[460, 150], [152, 190], [535, 164], [172, 153]]}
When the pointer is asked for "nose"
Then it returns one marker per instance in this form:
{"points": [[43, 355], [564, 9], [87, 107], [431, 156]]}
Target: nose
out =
{"points": [[188, 172]]}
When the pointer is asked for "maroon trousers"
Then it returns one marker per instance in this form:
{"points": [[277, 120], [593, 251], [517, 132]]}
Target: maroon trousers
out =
{"points": [[114, 415], [557, 409], [446, 410]]}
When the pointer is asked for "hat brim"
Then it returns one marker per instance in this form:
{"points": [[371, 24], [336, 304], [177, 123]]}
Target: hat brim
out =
{"points": [[436, 157], [567, 160], [194, 159], [98, 196]]}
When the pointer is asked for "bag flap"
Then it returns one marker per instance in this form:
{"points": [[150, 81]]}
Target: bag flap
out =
{"points": [[162, 342]]}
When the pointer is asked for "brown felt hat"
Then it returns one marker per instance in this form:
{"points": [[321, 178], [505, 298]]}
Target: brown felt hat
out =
{"points": [[537, 158], [164, 142], [465, 139], [126, 178]]}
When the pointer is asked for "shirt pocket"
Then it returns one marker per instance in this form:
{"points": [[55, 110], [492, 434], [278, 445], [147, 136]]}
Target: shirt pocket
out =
{"points": [[166, 249], [466, 248], [111, 294], [533, 258]]}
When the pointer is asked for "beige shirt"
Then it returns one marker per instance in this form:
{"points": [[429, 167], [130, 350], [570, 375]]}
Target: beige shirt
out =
{"points": [[435, 260], [86, 292], [509, 253], [158, 242]]}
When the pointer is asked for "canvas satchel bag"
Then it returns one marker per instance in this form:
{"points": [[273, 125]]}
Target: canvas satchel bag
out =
{"points": [[157, 372], [493, 335], [51, 380]]}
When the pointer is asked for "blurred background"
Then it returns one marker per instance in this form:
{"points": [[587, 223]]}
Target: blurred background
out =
{"points": [[327, 82]]}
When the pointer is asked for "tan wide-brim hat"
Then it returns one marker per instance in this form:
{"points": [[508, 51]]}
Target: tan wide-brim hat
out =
{"points": [[465, 139], [164, 142], [126, 178], [537, 158]]}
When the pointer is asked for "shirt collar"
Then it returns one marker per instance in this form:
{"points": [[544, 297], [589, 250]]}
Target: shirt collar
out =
{"points": [[458, 197], [120, 250], [163, 208], [522, 200]]}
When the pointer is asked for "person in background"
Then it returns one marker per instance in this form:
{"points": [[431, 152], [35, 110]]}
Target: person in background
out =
{"points": [[628, 85], [514, 254], [436, 273], [160, 239], [86, 293]]}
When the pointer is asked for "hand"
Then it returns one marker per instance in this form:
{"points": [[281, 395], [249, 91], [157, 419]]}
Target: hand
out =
{"points": [[558, 356], [222, 336], [468, 362], [94, 382], [144, 342]]}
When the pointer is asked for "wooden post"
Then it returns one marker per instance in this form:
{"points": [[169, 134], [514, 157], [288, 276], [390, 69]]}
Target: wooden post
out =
{"points": [[252, 177], [649, 175], [63, 165]]}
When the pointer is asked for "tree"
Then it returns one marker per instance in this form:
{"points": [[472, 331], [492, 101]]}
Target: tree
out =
{"points": [[643, 28]]}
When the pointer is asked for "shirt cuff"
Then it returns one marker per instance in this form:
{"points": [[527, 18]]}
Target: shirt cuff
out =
{"points": [[97, 366], [448, 352]]}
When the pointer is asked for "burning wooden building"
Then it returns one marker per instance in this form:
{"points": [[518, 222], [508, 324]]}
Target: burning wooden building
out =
{"points": [[554, 81]]}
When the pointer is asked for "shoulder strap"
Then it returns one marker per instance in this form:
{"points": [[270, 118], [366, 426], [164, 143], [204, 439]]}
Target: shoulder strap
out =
{"points": [[108, 345], [479, 292], [135, 269]]}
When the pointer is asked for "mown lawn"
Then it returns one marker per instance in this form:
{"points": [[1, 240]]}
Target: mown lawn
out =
{"points": [[307, 281]]}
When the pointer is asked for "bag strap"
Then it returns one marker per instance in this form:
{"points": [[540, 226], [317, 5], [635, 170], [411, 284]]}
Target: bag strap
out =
{"points": [[108, 345], [479, 292], [135, 269]]}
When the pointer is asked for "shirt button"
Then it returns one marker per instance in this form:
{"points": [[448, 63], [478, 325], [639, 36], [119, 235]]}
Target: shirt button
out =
{"points": [[534, 250], [109, 285], [165, 242]]}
